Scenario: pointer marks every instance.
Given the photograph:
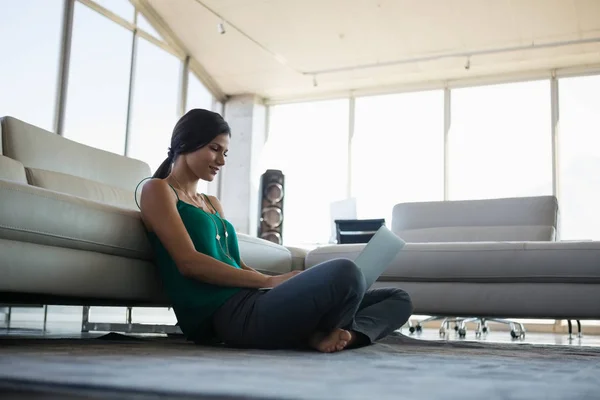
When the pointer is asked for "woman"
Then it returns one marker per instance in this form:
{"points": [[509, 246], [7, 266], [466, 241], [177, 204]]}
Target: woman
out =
{"points": [[216, 296]]}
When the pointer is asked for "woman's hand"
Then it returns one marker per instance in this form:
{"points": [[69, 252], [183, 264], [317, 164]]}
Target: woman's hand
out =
{"points": [[273, 281]]}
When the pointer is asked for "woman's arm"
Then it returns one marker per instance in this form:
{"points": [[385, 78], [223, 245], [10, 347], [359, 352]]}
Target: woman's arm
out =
{"points": [[247, 268], [159, 212]]}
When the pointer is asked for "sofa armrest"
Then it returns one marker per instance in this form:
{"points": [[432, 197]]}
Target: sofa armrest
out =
{"points": [[36, 215], [12, 170], [298, 257], [263, 255]]}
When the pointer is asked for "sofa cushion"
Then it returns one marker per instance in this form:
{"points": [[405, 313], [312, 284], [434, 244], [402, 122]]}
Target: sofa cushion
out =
{"points": [[506, 219], [81, 187], [503, 300], [264, 256], [77, 276], [42, 216], [37, 148], [12, 170], [483, 262]]}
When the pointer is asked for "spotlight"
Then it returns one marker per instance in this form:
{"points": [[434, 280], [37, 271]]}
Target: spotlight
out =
{"points": [[221, 28]]}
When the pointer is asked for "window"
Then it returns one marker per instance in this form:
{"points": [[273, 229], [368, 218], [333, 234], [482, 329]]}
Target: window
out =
{"points": [[579, 157], [154, 108], [397, 152], [30, 41], [198, 95], [500, 141], [123, 8], [98, 90], [144, 25], [309, 143]]}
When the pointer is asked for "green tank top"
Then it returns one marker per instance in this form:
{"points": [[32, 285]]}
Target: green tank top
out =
{"points": [[194, 301]]}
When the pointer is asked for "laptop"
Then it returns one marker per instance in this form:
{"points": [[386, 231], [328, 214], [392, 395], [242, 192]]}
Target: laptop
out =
{"points": [[377, 255]]}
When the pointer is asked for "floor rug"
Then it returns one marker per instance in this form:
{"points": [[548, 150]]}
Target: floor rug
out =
{"points": [[397, 367]]}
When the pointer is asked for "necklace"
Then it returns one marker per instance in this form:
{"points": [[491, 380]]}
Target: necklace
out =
{"points": [[218, 237], [184, 192], [210, 215]]}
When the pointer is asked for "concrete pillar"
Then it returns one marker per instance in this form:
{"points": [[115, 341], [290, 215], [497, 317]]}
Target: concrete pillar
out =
{"points": [[240, 179]]}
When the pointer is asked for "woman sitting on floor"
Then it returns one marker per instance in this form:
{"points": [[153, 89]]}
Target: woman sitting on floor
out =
{"points": [[216, 296]]}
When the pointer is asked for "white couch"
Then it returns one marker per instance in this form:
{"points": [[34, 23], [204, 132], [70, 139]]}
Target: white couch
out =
{"points": [[488, 258], [70, 233]]}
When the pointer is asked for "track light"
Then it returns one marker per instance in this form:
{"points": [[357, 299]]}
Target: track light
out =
{"points": [[315, 83], [221, 28], [468, 64]]}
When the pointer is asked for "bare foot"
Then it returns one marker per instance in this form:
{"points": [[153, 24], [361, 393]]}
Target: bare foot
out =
{"points": [[336, 340]]}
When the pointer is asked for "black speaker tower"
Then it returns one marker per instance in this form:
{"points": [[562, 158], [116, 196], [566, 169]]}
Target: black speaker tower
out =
{"points": [[270, 221]]}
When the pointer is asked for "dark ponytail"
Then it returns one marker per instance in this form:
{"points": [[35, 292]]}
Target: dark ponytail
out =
{"points": [[194, 130], [164, 169]]}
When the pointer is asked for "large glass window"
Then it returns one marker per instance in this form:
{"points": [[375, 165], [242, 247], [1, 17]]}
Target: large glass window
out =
{"points": [[144, 25], [30, 42], [96, 112], [154, 108], [219, 107], [309, 143], [123, 8], [198, 96], [579, 157], [500, 141], [397, 151]]}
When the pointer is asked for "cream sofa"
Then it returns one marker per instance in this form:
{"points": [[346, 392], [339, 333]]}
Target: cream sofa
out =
{"points": [[70, 231], [498, 258]]}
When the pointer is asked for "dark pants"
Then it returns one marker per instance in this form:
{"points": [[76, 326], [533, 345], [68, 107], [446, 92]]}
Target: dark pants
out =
{"points": [[325, 297]]}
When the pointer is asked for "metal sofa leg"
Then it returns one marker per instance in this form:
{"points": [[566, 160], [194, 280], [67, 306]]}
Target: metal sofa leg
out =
{"points": [[85, 316], [419, 328], [459, 322], [8, 314], [444, 327], [579, 333], [517, 330], [462, 327], [482, 326], [45, 317], [7, 317]]}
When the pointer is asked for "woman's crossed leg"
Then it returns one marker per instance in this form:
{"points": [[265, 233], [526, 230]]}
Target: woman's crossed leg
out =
{"points": [[326, 307]]}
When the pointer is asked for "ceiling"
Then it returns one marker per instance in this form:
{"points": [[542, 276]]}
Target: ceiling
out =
{"points": [[284, 49]]}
